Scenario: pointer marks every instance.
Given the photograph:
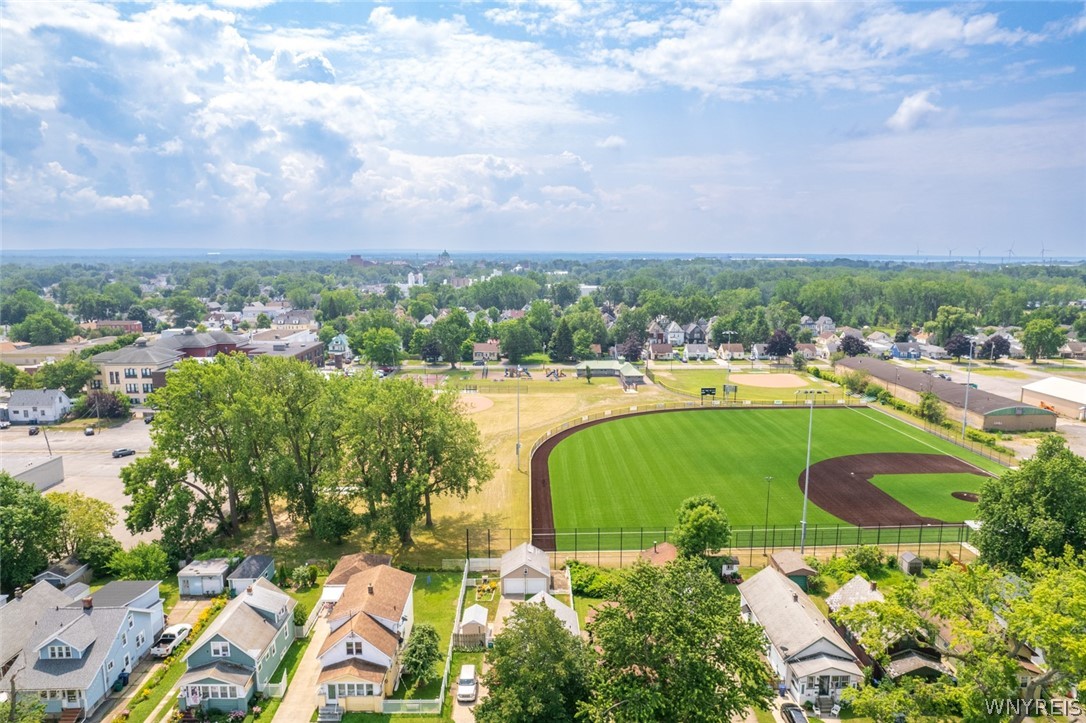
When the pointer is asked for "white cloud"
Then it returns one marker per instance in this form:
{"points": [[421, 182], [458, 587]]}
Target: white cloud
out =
{"points": [[611, 143], [914, 110]]}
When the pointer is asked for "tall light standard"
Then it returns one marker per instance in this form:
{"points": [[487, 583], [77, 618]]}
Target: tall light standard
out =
{"points": [[807, 473], [728, 367], [968, 374], [518, 418], [768, 480]]}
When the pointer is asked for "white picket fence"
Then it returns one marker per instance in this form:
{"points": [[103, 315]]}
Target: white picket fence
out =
{"points": [[277, 690]]}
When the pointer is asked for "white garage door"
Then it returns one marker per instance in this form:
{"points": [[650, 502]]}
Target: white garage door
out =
{"points": [[537, 584], [513, 586]]}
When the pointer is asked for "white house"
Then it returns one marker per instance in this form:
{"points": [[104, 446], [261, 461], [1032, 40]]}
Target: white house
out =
{"points": [[525, 570], [675, 334], [249, 570], [731, 351], [565, 614], [38, 406], [808, 656], [67, 653], [368, 627], [696, 351], [203, 577]]}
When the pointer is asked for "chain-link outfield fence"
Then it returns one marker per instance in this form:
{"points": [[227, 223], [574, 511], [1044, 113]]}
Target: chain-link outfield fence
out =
{"points": [[620, 547]]}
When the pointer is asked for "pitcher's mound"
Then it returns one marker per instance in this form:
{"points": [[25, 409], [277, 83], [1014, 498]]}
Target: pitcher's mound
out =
{"points": [[474, 403], [772, 381], [967, 496]]}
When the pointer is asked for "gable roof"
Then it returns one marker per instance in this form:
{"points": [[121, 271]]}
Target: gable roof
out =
{"points": [[348, 565], [63, 569], [19, 618], [791, 562], [37, 398], [475, 614], [565, 614], [857, 590], [251, 567], [525, 554], [92, 631], [380, 591], [241, 624], [222, 671], [789, 617], [119, 593], [353, 668]]}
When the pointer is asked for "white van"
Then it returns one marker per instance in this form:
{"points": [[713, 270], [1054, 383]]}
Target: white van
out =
{"points": [[467, 687]]}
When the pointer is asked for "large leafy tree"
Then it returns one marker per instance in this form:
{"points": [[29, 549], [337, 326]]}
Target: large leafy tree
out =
{"points": [[951, 320], [701, 526], [674, 648], [1041, 504], [631, 322], [29, 524], [538, 671], [853, 346], [518, 339], [422, 652], [382, 346], [450, 332], [15, 307], [48, 326], [1041, 337], [84, 520], [70, 374], [187, 309], [958, 346], [562, 342], [996, 347], [780, 344]]}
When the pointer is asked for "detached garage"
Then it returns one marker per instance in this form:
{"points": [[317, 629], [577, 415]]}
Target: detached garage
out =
{"points": [[525, 571], [203, 577]]}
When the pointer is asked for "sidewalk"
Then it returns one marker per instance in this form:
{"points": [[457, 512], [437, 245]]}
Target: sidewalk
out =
{"points": [[301, 698]]}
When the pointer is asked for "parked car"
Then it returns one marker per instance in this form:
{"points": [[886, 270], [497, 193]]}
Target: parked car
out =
{"points": [[171, 638], [467, 686], [88, 431], [4, 424], [123, 452], [792, 713], [32, 431], [148, 417]]}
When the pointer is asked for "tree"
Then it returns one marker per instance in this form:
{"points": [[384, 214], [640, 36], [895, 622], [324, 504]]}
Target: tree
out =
{"points": [[421, 652], [47, 326], [518, 339], [780, 344], [1041, 504], [100, 403], [582, 345], [565, 293], [1079, 326], [382, 347], [1040, 338], [538, 671], [430, 350], [263, 321], [145, 561], [187, 309], [632, 347], [701, 526], [450, 332], [540, 318], [951, 320], [333, 521], [27, 709], [674, 648], [83, 520], [562, 342], [29, 524], [958, 346], [15, 307], [903, 335], [337, 303], [931, 408], [996, 347], [631, 321], [853, 346], [8, 374], [98, 552], [70, 374]]}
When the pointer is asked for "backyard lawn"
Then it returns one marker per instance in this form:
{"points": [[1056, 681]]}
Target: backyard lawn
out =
{"points": [[436, 594]]}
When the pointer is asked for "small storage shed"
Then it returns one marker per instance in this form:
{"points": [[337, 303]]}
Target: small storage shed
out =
{"points": [[525, 570], [249, 570], [203, 577], [65, 573], [792, 565], [729, 566], [472, 630], [910, 564]]}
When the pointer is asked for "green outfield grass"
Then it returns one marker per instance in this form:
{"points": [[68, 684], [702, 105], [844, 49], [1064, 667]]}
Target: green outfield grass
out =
{"points": [[690, 379], [929, 494], [635, 471]]}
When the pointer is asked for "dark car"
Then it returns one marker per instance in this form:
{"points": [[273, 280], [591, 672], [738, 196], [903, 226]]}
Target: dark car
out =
{"points": [[148, 417], [32, 431], [123, 452], [792, 713]]}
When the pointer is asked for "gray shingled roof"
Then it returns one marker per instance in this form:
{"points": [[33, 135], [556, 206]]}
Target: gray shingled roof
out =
{"points": [[119, 593], [64, 568], [855, 591], [525, 554], [102, 624], [564, 613], [35, 397], [196, 339], [251, 567], [241, 624], [225, 672], [135, 354], [19, 618], [789, 617]]}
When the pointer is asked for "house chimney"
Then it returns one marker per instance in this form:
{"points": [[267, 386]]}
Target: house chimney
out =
{"points": [[874, 586], [370, 586], [795, 597], [249, 590], [88, 604], [18, 593]]}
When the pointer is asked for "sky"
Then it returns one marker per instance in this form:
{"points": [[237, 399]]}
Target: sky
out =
{"points": [[551, 126]]}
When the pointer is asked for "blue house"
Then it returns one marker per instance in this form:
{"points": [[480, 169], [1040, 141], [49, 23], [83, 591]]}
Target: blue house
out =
{"points": [[905, 350], [239, 652], [67, 653]]}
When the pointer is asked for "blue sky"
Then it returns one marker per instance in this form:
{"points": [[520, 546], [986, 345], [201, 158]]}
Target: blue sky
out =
{"points": [[740, 127]]}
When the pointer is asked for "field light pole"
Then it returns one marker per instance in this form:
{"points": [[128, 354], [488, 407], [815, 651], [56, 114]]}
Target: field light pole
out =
{"points": [[807, 472], [518, 418], [968, 374], [768, 480]]}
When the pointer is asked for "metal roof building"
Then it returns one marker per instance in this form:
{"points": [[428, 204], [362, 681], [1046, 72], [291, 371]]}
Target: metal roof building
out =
{"points": [[1066, 396]]}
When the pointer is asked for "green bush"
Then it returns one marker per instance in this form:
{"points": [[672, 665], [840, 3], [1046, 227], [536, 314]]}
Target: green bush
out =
{"points": [[97, 553], [145, 561], [301, 614], [333, 521], [591, 581]]}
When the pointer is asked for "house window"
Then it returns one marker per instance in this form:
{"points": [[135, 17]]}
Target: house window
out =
{"points": [[60, 651], [130, 373], [220, 650], [124, 639], [114, 377], [148, 388], [71, 695], [145, 373], [96, 384], [109, 667], [139, 639], [837, 682], [212, 691], [131, 622], [354, 647]]}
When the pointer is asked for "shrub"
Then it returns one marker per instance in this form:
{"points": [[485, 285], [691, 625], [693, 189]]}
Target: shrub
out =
{"points": [[333, 521], [98, 552], [301, 613], [304, 576], [591, 581], [145, 561]]}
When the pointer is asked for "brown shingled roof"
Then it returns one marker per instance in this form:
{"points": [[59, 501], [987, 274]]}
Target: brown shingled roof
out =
{"points": [[348, 565], [380, 591], [353, 668]]}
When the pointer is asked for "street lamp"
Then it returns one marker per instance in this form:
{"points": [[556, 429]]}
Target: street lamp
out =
{"points": [[807, 473], [768, 480], [968, 374]]}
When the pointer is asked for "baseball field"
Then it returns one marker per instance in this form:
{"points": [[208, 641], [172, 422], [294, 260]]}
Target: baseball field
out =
{"points": [[866, 469]]}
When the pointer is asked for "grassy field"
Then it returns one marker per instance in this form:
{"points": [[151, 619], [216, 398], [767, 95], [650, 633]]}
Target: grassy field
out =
{"points": [[1000, 372], [691, 378], [929, 494], [635, 471]]}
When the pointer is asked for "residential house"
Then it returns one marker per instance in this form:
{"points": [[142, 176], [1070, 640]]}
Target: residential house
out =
{"points": [[67, 653], [368, 626], [525, 570], [905, 350], [808, 351], [857, 590], [296, 320], [237, 654], [65, 573], [659, 352], [759, 352], [427, 321], [792, 565], [828, 343], [933, 351], [486, 351], [674, 334], [339, 348], [731, 351], [656, 333], [510, 314], [849, 331], [825, 324], [247, 572], [565, 614], [696, 351], [203, 577], [695, 333], [38, 406], [1073, 350], [808, 656], [806, 322], [879, 337], [136, 370], [347, 567]]}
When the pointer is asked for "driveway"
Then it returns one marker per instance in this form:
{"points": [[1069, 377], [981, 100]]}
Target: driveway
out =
{"points": [[465, 712], [301, 698]]}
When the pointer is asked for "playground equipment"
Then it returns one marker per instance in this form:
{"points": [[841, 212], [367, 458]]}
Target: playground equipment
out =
{"points": [[515, 372], [555, 374]]}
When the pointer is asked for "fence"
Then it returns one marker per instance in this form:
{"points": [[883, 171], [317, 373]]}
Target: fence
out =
{"points": [[943, 433], [277, 690], [309, 622]]}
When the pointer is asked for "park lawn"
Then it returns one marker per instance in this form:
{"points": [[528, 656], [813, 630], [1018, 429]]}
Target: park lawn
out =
{"points": [[929, 494], [436, 595], [997, 372], [690, 380], [635, 471]]}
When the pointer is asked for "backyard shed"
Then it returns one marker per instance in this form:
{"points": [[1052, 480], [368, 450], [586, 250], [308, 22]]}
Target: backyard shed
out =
{"points": [[472, 630], [792, 565], [251, 568], [910, 564]]}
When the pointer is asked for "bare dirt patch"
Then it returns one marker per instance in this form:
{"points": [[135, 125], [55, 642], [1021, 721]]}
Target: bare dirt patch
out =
{"points": [[769, 381], [842, 486], [475, 403], [965, 496]]}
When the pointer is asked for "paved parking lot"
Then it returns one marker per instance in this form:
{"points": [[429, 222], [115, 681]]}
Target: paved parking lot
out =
{"points": [[88, 464]]}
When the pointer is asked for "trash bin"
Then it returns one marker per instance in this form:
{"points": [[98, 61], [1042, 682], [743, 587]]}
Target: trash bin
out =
{"points": [[124, 677]]}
